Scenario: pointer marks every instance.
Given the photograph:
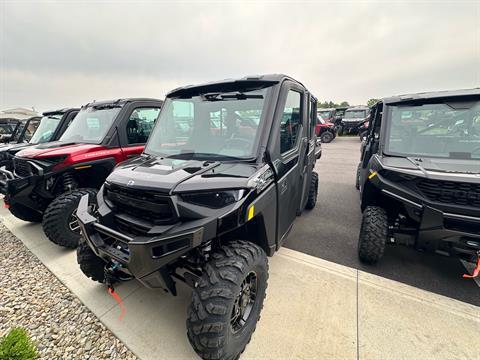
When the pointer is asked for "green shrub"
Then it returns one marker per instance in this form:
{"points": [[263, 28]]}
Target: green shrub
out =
{"points": [[17, 345]]}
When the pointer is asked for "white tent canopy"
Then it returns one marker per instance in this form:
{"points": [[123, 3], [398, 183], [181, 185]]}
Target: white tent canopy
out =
{"points": [[17, 113]]}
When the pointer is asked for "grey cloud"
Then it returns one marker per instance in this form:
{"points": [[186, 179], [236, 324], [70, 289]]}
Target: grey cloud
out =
{"points": [[56, 54]]}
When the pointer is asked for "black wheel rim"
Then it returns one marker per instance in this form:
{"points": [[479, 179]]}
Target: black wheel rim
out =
{"points": [[244, 302]]}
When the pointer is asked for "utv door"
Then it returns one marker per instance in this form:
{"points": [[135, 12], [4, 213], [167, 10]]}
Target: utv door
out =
{"points": [[290, 134], [137, 128]]}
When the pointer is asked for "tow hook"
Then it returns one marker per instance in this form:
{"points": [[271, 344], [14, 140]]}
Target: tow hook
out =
{"points": [[476, 271], [110, 279]]}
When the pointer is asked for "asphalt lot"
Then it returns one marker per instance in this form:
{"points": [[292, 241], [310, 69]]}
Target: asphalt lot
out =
{"points": [[330, 232]]}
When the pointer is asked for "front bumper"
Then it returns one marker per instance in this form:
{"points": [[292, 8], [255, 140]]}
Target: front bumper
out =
{"points": [[143, 257], [441, 228], [351, 125], [19, 190]]}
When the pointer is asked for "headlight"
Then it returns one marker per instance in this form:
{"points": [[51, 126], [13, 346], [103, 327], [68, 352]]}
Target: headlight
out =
{"points": [[213, 199]]}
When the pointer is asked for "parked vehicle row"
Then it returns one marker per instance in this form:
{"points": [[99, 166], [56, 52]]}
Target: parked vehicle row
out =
{"points": [[227, 168]]}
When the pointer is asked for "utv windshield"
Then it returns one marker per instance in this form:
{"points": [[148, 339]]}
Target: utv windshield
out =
{"points": [[444, 130], [210, 126], [90, 125], [325, 114], [356, 114], [46, 129]]}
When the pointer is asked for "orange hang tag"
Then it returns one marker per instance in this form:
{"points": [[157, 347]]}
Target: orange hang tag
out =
{"points": [[476, 271], [119, 301]]}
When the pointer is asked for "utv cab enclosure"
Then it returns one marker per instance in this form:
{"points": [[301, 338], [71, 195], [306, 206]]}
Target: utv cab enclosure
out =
{"points": [[419, 175], [47, 128], [49, 179], [225, 172]]}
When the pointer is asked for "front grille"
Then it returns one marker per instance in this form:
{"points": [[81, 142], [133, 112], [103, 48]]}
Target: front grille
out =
{"points": [[139, 210], [21, 167], [450, 192]]}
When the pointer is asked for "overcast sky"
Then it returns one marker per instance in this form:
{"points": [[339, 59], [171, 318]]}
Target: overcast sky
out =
{"points": [[55, 55]]}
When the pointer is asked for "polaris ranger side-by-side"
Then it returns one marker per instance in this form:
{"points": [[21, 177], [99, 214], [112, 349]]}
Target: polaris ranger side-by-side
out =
{"points": [[49, 179], [48, 128], [419, 175], [353, 118], [225, 172]]}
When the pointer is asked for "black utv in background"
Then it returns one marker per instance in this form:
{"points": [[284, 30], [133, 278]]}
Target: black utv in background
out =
{"points": [[419, 175], [227, 169], [7, 128], [47, 128]]}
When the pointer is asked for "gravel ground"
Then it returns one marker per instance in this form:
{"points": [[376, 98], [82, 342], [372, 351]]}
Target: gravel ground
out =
{"points": [[33, 298]]}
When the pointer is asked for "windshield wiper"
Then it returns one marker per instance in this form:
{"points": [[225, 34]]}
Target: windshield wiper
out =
{"points": [[191, 155], [230, 96], [416, 163]]}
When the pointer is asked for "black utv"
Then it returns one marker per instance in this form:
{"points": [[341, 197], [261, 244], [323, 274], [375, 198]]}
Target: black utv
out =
{"points": [[225, 172], [419, 175], [36, 131]]}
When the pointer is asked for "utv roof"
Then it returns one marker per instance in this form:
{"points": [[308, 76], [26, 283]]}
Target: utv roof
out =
{"points": [[120, 102], [59, 111], [245, 84], [432, 95], [325, 109]]}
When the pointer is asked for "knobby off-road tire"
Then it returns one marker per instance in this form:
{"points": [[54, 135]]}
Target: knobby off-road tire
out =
{"points": [[213, 328], [312, 192], [90, 264], [357, 179], [24, 213], [373, 235], [326, 137], [59, 218]]}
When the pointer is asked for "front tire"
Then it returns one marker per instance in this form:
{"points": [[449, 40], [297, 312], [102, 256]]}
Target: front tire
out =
{"points": [[373, 235], [59, 221], [90, 264], [326, 137], [227, 301], [312, 192], [24, 213]]}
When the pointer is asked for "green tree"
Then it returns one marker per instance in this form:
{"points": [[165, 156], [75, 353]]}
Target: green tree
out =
{"points": [[372, 102], [331, 104]]}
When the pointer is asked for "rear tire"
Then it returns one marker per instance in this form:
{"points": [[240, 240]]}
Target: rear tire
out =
{"points": [[222, 315], [24, 213], [326, 137], [59, 218], [90, 264], [312, 192], [373, 235]]}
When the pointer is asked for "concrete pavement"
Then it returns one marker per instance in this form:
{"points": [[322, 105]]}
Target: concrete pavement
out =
{"points": [[315, 309], [330, 231]]}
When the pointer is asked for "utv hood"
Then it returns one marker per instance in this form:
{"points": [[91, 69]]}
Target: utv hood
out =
{"points": [[174, 175], [434, 165], [57, 148]]}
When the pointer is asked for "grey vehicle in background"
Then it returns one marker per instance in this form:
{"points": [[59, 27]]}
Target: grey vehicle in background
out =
{"points": [[353, 118]]}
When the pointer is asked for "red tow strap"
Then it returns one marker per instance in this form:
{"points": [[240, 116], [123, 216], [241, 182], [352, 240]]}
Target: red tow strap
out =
{"points": [[476, 271], [119, 301]]}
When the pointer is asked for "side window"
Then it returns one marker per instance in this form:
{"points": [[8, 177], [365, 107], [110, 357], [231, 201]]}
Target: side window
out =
{"points": [[140, 124], [290, 121]]}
